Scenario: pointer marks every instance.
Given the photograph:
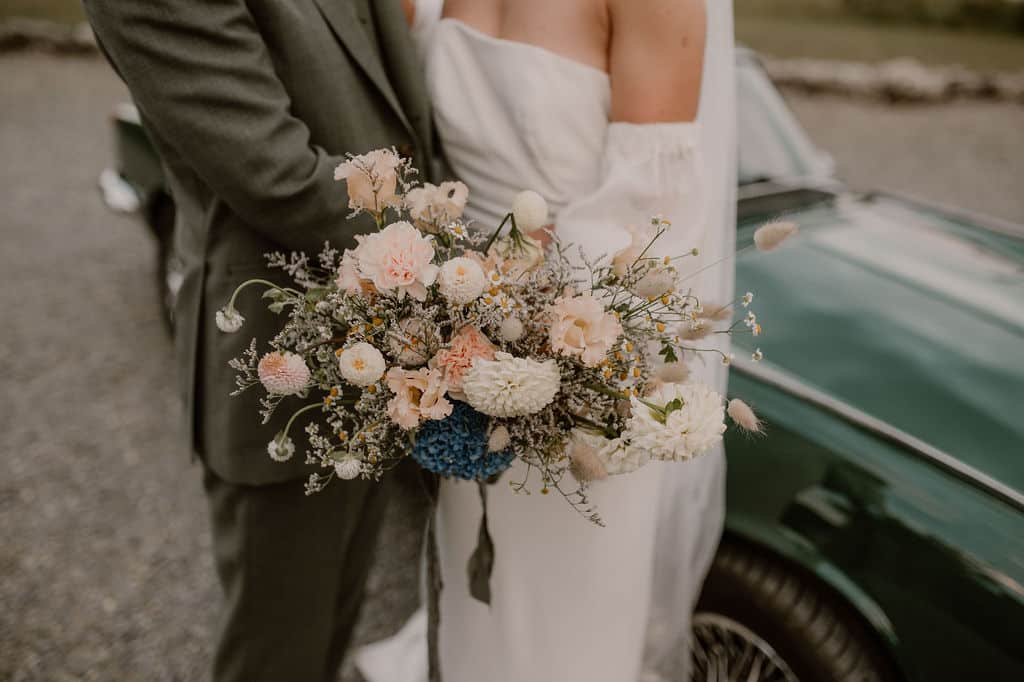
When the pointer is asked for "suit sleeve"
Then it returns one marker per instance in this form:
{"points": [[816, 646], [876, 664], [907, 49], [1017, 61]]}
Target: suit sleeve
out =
{"points": [[201, 75]]}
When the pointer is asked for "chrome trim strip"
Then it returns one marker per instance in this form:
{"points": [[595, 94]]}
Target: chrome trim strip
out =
{"points": [[784, 381]]}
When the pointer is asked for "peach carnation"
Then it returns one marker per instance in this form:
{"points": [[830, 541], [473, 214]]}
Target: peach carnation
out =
{"points": [[283, 373], [581, 326], [467, 345], [399, 259], [419, 395]]}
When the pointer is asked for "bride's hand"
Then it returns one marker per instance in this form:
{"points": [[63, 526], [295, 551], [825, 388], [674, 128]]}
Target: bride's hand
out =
{"points": [[545, 235], [409, 7]]}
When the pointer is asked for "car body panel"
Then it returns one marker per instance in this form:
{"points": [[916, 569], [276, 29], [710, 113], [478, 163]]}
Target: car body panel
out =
{"points": [[934, 564], [906, 316]]}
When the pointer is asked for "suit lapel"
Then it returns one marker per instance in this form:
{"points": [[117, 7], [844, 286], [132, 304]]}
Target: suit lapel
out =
{"points": [[403, 64], [344, 22]]}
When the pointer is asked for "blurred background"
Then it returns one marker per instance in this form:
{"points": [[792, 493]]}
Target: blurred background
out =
{"points": [[105, 571]]}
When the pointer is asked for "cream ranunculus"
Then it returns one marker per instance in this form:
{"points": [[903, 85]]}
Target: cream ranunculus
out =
{"points": [[371, 179], [432, 207], [581, 327], [398, 259], [419, 395]]}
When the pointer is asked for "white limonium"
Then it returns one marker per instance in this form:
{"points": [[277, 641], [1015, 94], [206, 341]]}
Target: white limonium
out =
{"points": [[462, 280], [530, 211], [229, 320], [361, 364], [348, 468], [676, 421], [510, 387], [281, 449]]}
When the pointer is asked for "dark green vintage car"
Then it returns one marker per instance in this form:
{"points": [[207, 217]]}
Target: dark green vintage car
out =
{"points": [[877, 532]]}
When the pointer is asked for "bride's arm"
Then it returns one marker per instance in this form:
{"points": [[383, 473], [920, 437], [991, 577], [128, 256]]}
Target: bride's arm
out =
{"points": [[656, 59], [409, 7]]}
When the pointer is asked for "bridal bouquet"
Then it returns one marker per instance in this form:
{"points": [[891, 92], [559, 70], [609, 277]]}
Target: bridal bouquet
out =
{"points": [[468, 349]]}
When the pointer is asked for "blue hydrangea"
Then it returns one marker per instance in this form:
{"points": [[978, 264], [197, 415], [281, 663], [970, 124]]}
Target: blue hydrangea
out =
{"points": [[456, 447]]}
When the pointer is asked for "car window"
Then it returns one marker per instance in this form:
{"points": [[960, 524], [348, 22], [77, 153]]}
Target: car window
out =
{"points": [[772, 143]]}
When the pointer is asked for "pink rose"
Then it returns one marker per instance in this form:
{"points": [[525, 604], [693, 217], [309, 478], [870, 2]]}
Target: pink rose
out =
{"points": [[467, 345], [581, 326], [419, 395], [399, 259]]}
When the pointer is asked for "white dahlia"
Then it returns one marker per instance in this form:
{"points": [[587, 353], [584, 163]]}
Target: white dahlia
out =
{"points": [[510, 387], [690, 421], [283, 373], [462, 280], [361, 364]]}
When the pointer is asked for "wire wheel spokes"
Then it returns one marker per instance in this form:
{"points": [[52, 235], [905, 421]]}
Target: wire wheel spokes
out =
{"points": [[726, 651]]}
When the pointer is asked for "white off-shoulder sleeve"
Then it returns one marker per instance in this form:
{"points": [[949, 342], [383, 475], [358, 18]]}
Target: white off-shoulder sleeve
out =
{"points": [[648, 169], [428, 14]]}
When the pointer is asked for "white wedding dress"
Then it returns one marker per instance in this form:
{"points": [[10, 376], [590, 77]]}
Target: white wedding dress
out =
{"points": [[573, 602]]}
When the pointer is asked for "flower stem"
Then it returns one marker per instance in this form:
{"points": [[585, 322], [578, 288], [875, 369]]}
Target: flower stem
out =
{"points": [[243, 285], [604, 390], [494, 236], [307, 408]]}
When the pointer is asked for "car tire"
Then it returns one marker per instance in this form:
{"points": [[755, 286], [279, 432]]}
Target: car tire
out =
{"points": [[758, 612]]}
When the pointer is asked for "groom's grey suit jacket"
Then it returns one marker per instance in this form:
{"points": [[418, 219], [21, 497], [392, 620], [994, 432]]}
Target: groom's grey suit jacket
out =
{"points": [[251, 104]]}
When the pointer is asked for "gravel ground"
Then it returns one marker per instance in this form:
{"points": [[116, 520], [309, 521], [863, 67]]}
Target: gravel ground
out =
{"points": [[105, 565], [967, 153]]}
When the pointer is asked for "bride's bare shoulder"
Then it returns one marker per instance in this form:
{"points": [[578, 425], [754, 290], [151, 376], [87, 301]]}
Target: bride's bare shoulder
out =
{"points": [[656, 59]]}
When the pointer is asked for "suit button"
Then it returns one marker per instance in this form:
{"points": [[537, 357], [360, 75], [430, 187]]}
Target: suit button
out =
{"points": [[406, 150]]}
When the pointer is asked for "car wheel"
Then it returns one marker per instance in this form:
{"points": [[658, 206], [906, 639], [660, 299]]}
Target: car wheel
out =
{"points": [[167, 269], [760, 618]]}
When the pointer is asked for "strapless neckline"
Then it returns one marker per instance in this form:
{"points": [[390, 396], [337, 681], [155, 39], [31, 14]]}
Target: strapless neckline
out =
{"points": [[537, 49]]}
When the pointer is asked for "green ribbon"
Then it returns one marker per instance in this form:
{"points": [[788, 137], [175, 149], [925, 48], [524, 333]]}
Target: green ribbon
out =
{"points": [[481, 563]]}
